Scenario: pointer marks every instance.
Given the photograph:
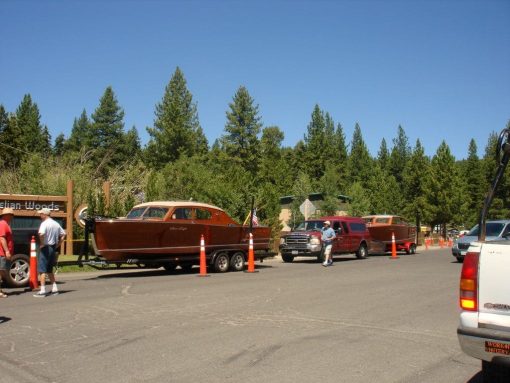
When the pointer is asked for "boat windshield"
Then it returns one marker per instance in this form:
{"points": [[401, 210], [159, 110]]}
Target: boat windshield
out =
{"points": [[136, 212], [310, 225], [493, 229]]}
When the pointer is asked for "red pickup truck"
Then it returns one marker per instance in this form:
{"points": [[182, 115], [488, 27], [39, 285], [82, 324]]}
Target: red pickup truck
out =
{"points": [[352, 236]]}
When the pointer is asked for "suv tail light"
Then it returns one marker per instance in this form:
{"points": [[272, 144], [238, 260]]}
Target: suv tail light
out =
{"points": [[469, 282]]}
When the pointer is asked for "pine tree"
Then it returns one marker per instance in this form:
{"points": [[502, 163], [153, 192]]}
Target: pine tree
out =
{"points": [[341, 157], [360, 200], [107, 133], [415, 179], [360, 162], [273, 168], [58, 148], [243, 126], [383, 156], [36, 138], [315, 140], [444, 188], [400, 154], [476, 185], [81, 134], [176, 131], [12, 143]]}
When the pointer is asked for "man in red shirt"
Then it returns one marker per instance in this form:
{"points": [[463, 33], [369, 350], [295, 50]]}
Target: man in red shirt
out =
{"points": [[6, 244]]}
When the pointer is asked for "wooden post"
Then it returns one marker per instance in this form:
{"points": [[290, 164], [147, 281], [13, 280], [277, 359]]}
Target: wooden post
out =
{"points": [[106, 191], [69, 219]]}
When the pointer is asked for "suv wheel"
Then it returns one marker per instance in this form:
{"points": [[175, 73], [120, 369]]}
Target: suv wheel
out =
{"points": [[19, 273]]}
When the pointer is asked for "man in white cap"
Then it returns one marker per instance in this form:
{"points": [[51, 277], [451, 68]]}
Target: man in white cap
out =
{"points": [[328, 235], [51, 236], [6, 244]]}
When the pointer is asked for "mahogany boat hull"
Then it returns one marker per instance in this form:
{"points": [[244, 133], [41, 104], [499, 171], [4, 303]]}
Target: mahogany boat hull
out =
{"points": [[119, 240]]}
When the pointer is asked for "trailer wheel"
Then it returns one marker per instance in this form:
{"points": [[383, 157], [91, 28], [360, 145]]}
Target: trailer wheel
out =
{"points": [[237, 261], [412, 249], [186, 267], [221, 263], [19, 273], [169, 266]]}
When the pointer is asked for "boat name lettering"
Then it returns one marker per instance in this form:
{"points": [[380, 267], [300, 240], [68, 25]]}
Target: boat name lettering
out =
{"points": [[182, 228]]}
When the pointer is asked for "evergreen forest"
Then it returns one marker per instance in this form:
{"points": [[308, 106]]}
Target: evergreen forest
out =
{"points": [[247, 161]]}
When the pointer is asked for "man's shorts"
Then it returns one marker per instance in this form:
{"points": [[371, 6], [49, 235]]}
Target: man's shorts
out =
{"points": [[46, 260], [5, 264]]}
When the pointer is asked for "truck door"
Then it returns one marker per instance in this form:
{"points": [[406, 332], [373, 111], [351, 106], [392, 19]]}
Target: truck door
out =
{"points": [[343, 235], [338, 231]]}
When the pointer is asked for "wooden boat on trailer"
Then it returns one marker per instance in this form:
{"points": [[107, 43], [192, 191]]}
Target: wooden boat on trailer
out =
{"points": [[383, 227], [168, 233]]}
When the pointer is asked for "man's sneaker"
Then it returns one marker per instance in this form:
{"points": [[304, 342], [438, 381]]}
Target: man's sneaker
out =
{"points": [[324, 264], [330, 263], [40, 295]]}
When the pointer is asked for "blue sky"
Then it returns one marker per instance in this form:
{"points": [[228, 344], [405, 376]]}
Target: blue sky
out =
{"points": [[441, 69]]}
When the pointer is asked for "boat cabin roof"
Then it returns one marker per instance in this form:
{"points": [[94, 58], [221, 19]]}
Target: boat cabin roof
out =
{"points": [[384, 219], [177, 204]]}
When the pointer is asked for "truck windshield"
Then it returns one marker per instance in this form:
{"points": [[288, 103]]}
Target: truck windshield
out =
{"points": [[493, 229], [310, 225]]}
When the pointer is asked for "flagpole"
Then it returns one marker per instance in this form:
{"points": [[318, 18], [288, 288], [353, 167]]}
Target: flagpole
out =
{"points": [[251, 214]]}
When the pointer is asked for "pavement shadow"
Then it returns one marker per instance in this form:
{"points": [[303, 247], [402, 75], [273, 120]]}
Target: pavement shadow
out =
{"points": [[139, 273], [313, 261], [4, 319], [477, 378]]}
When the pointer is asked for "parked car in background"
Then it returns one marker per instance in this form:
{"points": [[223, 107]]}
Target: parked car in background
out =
{"points": [[496, 230], [352, 236]]}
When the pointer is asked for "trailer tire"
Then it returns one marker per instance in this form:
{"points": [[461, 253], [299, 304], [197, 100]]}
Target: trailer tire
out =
{"points": [[237, 261], [186, 267], [412, 249], [19, 272], [169, 266], [221, 262]]}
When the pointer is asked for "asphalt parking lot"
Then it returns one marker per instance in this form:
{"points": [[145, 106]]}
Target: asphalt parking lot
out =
{"points": [[373, 320]]}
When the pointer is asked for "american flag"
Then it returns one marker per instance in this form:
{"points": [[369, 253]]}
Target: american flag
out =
{"points": [[254, 218]]}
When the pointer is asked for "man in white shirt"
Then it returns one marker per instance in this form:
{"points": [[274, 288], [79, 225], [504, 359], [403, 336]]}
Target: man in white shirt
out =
{"points": [[51, 236]]}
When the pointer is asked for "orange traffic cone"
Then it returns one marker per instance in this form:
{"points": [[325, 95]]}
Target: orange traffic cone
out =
{"points": [[251, 256], [393, 247], [203, 266], [426, 243], [33, 283]]}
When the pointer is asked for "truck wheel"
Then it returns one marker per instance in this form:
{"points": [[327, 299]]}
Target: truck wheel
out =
{"points": [[19, 273], [237, 261], [221, 263], [460, 259], [287, 258], [362, 251], [494, 373]]}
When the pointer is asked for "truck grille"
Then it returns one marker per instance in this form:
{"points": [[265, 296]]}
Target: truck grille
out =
{"points": [[297, 240]]}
